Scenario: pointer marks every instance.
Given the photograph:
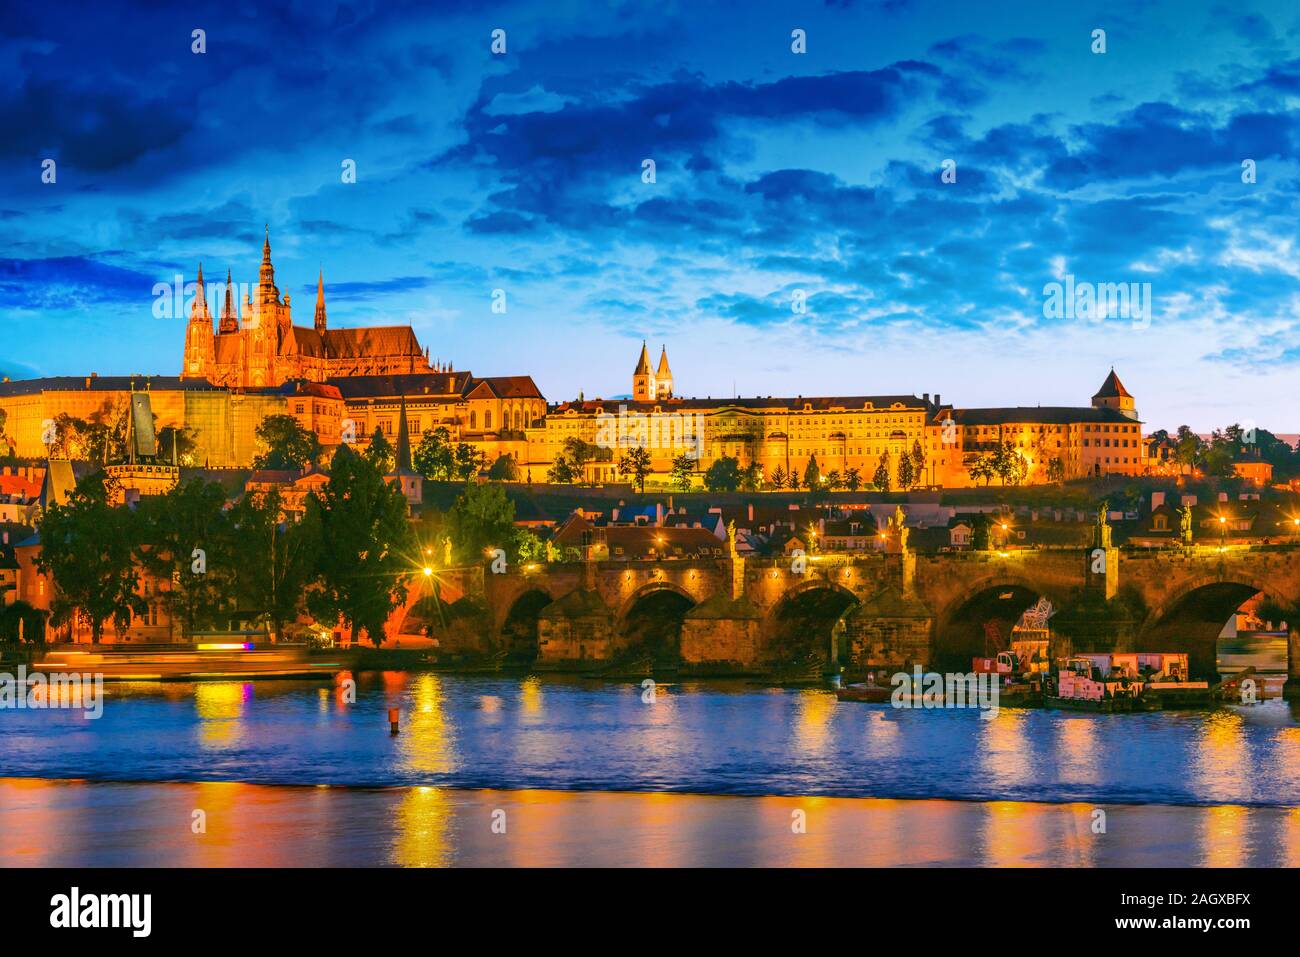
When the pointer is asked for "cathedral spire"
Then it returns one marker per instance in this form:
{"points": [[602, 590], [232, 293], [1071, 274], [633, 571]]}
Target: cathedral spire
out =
{"points": [[403, 440], [266, 291], [199, 308], [320, 302], [229, 321]]}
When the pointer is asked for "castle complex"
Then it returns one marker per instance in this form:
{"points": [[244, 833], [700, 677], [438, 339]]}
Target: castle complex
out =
{"points": [[346, 383]]}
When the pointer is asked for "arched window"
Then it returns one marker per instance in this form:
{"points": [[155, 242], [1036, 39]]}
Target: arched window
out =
{"points": [[473, 421]]}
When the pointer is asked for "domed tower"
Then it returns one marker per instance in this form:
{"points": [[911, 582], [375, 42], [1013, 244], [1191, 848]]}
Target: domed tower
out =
{"points": [[1113, 395], [664, 376]]}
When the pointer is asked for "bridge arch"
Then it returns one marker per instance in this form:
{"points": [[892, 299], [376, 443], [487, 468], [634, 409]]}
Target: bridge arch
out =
{"points": [[649, 621], [1192, 617], [519, 628], [979, 620], [807, 621]]}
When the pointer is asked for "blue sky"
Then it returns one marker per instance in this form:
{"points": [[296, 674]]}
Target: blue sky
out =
{"points": [[776, 172]]}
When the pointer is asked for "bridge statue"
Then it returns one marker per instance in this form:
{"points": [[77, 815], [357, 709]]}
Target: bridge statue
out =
{"points": [[1185, 524], [731, 538], [899, 524], [1102, 531], [446, 552]]}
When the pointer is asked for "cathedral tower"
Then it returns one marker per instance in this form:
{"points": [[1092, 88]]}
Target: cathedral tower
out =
{"points": [[643, 380], [199, 342], [664, 376], [320, 302], [1113, 395]]}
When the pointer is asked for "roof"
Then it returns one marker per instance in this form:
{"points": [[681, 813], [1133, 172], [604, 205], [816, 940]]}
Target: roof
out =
{"points": [[104, 383], [752, 404], [509, 386], [1112, 388], [1040, 415], [413, 385], [362, 341], [643, 364]]}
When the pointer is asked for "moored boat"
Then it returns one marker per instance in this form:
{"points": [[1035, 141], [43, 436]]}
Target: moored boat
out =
{"points": [[205, 661]]}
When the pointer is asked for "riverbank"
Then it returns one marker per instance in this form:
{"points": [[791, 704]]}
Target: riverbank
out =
{"points": [[50, 823]]}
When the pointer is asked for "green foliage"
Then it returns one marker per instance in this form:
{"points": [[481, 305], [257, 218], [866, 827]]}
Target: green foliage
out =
{"points": [[88, 547], [906, 473], [682, 470], [853, 478], [504, 469], [275, 561], [723, 475], [286, 444], [812, 475], [918, 463], [636, 463], [778, 477], [180, 539], [468, 461], [751, 477], [21, 617], [381, 454], [882, 479], [1055, 470], [433, 456], [526, 546], [483, 518], [367, 548], [563, 472]]}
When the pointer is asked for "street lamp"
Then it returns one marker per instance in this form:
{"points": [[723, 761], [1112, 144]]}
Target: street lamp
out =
{"points": [[1223, 532]]}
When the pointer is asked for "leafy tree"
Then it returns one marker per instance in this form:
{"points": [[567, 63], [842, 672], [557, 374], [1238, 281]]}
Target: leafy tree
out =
{"points": [[834, 480], [288, 445], [982, 468], [881, 479], [723, 475], [21, 617], [1055, 470], [526, 546], [482, 518], [275, 561], [88, 548], [981, 538], [381, 454], [636, 463], [469, 461], [504, 469], [682, 470], [181, 540], [563, 472], [751, 477], [182, 441], [918, 463], [433, 457], [906, 477], [812, 475], [853, 478], [367, 546]]}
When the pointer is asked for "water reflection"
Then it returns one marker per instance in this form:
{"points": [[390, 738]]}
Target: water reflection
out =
{"points": [[427, 742], [220, 706]]}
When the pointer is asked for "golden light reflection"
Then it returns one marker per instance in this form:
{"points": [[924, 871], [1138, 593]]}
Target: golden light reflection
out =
{"points": [[1011, 833], [1221, 762], [1004, 751], [813, 713], [531, 701], [1289, 838], [1077, 752], [426, 739], [422, 823], [1224, 840], [220, 707]]}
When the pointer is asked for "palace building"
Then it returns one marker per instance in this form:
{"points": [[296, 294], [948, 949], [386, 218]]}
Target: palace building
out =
{"points": [[260, 346]]}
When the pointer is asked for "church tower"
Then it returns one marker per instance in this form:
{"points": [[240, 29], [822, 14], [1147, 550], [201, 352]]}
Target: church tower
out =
{"points": [[229, 320], [200, 348], [320, 302], [664, 376], [643, 380], [1113, 395]]}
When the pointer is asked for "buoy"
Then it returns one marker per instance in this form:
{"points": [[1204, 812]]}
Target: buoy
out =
{"points": [[392, 720]]}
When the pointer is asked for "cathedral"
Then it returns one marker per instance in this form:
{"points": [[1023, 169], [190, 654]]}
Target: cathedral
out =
{"points": [[260, 346]]}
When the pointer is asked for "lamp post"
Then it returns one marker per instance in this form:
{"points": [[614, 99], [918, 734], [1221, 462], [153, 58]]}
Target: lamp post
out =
{"points": [[1223, 532]]}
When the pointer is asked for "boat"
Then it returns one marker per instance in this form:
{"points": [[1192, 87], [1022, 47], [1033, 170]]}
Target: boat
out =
{"points": [[863, 691], [204, 661], [1097, 683]]}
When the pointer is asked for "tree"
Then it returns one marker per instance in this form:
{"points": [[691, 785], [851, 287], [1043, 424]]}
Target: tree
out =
{"points": [[433, 457], [1055, 470], [483, 518], [504, 469], [778, 478], [906, 477], [834, 480], [723, 475], [526, 546], [181, 540], [636, 463], [367, 543], [179, 441], [982, 467], [88, 548], [812, 475], [288, 445], [751, 477], [918, 463], [19, 617], [881, 479], [853, 478], [682, 470], [275, 561], [563, 472], [469, 461], [380, 454]]}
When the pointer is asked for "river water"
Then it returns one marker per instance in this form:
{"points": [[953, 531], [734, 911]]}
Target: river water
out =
{"points": [[580, 770]]}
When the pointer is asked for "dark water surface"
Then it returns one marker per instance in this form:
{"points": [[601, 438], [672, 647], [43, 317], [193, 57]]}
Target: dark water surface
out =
{"points": [[715, 738]]}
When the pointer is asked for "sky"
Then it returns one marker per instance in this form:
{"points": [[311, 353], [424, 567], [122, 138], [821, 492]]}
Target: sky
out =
{"points": [[779, 177]]}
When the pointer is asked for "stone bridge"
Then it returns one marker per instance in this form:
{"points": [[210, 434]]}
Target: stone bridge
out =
{"points": [[886, 610]]}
